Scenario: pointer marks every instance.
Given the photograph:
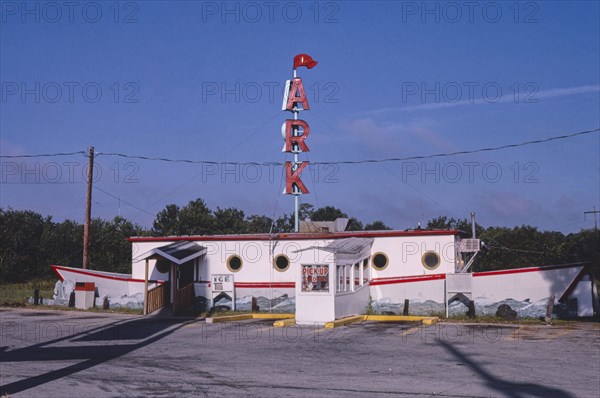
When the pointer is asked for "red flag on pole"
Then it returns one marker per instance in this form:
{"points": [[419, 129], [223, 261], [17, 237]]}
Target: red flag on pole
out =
{"points": [[304, 60]]}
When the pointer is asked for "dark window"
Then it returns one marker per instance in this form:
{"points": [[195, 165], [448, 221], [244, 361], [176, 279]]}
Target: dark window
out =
{"points": [[430, 260], [282, 262], [380, 261], [234, 263], [163, 266]]}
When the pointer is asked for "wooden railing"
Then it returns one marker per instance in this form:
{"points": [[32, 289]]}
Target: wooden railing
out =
{"points": [[156, 298], [184, 298]]}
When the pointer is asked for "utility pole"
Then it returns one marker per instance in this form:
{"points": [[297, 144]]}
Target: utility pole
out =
{"points": [[594, 212], [88, 210]]}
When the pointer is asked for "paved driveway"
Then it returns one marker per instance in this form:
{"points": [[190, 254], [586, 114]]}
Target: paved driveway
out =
{"points": [[75, 354]]}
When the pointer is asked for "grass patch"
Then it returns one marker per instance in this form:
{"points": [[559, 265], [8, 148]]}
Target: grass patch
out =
{"points": [[369, 309], [17, 294], [99, 310], [95, 309], [500, 321]]}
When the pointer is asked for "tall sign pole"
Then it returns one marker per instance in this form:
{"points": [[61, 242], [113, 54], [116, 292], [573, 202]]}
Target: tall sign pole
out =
{"points": [[295, 132], [88, 210]]}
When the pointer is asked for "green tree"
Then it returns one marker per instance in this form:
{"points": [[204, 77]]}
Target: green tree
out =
{"points": [[230, 221], [305, 211], [284, 224], [354, 224], [196, 219], [377, 226], [21, 249], [167, 221], [258, 224], [193, 219], [327, 213], [584, 246], [462, 225]]}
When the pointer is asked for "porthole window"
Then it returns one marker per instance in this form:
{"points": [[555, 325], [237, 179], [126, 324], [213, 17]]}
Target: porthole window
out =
{"points": [[234, 263], [430, 260], [380, 261], [163, 266], [281, 263]]}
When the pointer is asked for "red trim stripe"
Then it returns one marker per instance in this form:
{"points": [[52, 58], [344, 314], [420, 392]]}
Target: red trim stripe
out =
{"points": [[57, 273], [88, 273], [406, 279], [529, 269], [250, 285], [293, 236]]}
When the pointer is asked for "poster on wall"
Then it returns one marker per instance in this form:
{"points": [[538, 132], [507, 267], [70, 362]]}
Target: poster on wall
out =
{"points": [[222, 286], [315, 278]]}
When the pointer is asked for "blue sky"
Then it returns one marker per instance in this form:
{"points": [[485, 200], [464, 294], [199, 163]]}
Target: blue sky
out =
{"points": [[203, 81]]}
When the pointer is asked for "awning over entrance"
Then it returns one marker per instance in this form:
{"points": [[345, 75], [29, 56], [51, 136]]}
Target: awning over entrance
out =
{"points": [[177, 253], [347, 249]]}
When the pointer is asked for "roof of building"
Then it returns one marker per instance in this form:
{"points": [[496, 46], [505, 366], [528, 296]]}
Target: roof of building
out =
{"points": [[177, 252], [293, 236], [348, 248]]}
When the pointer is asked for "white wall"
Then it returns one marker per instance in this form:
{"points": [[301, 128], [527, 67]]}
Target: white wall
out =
{"points": [[352, 303], [535, 286], [315, 307], [404, 255], [257, 265], [405, 252]]}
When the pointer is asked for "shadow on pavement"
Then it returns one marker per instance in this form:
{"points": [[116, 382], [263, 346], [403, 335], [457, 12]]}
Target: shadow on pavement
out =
{"points": [[507, 388], [143, 331]]}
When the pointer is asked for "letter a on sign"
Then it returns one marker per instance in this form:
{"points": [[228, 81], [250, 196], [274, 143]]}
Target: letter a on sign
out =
{"points": [[297, 95], [291, 126], [292, 178]]}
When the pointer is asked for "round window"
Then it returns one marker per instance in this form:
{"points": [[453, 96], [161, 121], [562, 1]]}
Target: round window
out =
{"points": [[430, 260], [163, 266], [234, 263], [379, 261], [281, 262]]}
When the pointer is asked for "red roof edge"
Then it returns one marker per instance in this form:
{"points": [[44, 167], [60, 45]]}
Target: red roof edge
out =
{"points": [[294, 236]]}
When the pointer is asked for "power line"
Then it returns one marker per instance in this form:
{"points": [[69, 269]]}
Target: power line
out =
{"points": [[46, 155], [466, 152], [123, 201], [364, 161]]}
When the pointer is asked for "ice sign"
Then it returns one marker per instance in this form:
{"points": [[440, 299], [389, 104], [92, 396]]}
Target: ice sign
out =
{"points": [[222, 283]]}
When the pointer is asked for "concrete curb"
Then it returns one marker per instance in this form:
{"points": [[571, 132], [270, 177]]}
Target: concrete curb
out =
{"points": [[273, 316], [344, 321], [244, 317], [425, 320], [284, 322]]}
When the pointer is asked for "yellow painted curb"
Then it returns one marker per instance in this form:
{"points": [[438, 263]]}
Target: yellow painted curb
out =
{"points": [[344, 321], [244, 317], [284, 322], [265, 315], [425, 320], [289, 319], [229, 318]]}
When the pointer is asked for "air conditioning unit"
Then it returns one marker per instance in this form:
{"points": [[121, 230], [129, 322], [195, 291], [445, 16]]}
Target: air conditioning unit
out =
{"points": [[470, 245]]}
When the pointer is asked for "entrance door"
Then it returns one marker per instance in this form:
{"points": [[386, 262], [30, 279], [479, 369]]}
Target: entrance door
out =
{"points": [[186, 274]]}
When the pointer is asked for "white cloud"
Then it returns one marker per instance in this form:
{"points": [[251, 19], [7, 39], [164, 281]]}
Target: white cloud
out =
{"points": [[506, 98]]}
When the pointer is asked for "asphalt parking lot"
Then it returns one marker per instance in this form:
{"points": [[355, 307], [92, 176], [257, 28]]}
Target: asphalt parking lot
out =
{"points": [[75, 354]]}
